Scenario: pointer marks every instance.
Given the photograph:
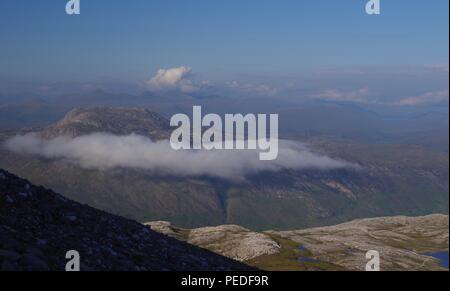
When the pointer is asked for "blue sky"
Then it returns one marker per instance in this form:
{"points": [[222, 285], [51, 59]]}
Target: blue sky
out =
{"points": [[222, 40]]}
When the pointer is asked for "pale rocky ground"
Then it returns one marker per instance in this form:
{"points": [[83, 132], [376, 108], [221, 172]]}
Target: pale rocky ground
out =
{"points": [[234, 242], [401, 241], [231, 241]]}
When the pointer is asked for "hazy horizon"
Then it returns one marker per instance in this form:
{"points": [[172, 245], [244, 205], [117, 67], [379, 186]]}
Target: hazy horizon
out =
{"points": [[300, 50]]}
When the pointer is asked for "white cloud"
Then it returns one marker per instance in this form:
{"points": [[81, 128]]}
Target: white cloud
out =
{"points": [[172, 79], [106, 151], [429, 97], [182, 79]]}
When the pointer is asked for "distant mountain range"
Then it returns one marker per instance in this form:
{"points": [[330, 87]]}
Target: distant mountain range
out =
{"points": [[365, 123], [393, 180]]}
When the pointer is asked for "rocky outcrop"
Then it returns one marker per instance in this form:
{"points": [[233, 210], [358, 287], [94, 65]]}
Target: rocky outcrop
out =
{"points": [[231, 241], [38, 227], [234, 242]]}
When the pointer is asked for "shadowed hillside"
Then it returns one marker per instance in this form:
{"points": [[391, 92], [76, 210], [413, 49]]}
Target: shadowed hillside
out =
{"points": [[38, 227]]}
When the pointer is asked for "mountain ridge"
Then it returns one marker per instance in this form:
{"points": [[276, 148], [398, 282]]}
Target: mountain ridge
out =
{"points": [[395, 180], [38, 227], [117, 120]]}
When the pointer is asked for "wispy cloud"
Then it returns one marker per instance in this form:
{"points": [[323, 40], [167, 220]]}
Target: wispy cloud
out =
{"points": [[253, 89], [429, 97], [359, 95], [362, 96], [106, 151], [437, 67]]}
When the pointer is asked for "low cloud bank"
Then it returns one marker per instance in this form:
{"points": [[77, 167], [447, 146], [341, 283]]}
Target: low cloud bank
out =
{"points": [[106, 151]]}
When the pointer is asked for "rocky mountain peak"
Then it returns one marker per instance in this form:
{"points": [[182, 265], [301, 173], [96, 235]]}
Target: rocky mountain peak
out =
{"points": [[119, 121]]}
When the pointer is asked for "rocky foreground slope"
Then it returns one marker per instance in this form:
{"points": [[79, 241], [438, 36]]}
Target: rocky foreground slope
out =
{"points": [[401, 241], [38, 227]]}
